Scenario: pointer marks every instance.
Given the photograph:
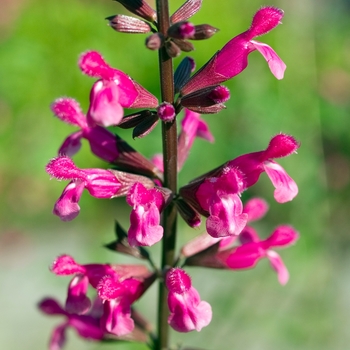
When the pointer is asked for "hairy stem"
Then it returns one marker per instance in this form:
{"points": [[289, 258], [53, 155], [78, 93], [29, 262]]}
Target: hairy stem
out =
{"points": [[169, 136]]}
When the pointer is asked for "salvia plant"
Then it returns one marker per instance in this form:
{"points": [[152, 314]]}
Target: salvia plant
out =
{"points": [[150, 186]]}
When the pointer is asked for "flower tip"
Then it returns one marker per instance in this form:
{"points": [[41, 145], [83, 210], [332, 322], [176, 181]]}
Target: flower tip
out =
{"points": [[282, 145], [220, 94], [264, 20], [109, 288], [178, 281], [65, 265], [68, 110], [92, 63], [61, 168]]}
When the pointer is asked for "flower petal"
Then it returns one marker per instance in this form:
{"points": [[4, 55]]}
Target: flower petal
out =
{"points": [[105, 108], [278, 265], [226, 217], [276, 65], [285, 187]]}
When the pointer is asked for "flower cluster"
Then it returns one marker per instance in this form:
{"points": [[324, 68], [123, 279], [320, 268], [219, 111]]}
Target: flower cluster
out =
{"points": [[229, 241]]}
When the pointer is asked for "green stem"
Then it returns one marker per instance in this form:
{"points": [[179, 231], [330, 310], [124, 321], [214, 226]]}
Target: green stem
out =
{"points": [[169, 135]]}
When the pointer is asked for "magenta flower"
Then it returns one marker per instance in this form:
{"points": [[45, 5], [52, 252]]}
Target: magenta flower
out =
{"points": [[253, 164], [187, 311], [253, 249], [219, 253], [113, 91], [216, 194], [220, 198], [145, 229], [254, 210], [99, 182], [102, 142], [87, 326], [77, 302], [192, 126], [232, 59], [118, 294]]}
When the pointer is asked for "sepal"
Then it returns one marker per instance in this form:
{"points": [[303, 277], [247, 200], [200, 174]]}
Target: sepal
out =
{"points": [[140, 8], [183, 72], [127, 24], [187, 10]]}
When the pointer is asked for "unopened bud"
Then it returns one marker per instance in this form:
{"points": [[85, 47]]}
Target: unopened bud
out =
{"points": [[219, 94], [183, 45], [127, 24], [203, 31], [172, 49], [182, 30], [155, 41], [209, 97], [166, 112]]}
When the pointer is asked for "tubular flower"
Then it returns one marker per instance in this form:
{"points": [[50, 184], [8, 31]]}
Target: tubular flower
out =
{"points": [[99, 182], [117, 298], [253, 164], [225, 183], [87, 326], [220, 198], [187, 311], [77, 301], [232, 59], [253, 249], [219, 253], [192, 126], [145, 228], [102, 142], [113, 91]]}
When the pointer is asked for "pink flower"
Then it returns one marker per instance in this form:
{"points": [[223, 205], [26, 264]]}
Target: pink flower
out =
{"points": [[212, 252], [145, 229], [118, 294], [192, 126], [187, 311], [102, 142], [220, 197], [99, 182], [253, 249], [252, 165], [232, 59], [77, 300], [216, 194], [113, 91], [87, 326]]}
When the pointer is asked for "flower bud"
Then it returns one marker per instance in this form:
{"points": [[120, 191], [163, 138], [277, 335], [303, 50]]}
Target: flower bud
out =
{"points": [[166, 112], [181, 30], [172, 49], [155, 41], [203, 31], [127, 24]]}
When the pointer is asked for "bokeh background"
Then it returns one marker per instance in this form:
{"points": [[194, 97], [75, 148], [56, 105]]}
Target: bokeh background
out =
{"points": [[39, 45]]}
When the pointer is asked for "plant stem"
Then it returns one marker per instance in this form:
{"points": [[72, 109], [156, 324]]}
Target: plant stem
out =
{"points": [[169, 136]]}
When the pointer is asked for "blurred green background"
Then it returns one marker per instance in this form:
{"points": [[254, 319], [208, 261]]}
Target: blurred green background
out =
{"points": [[40, 43]]}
